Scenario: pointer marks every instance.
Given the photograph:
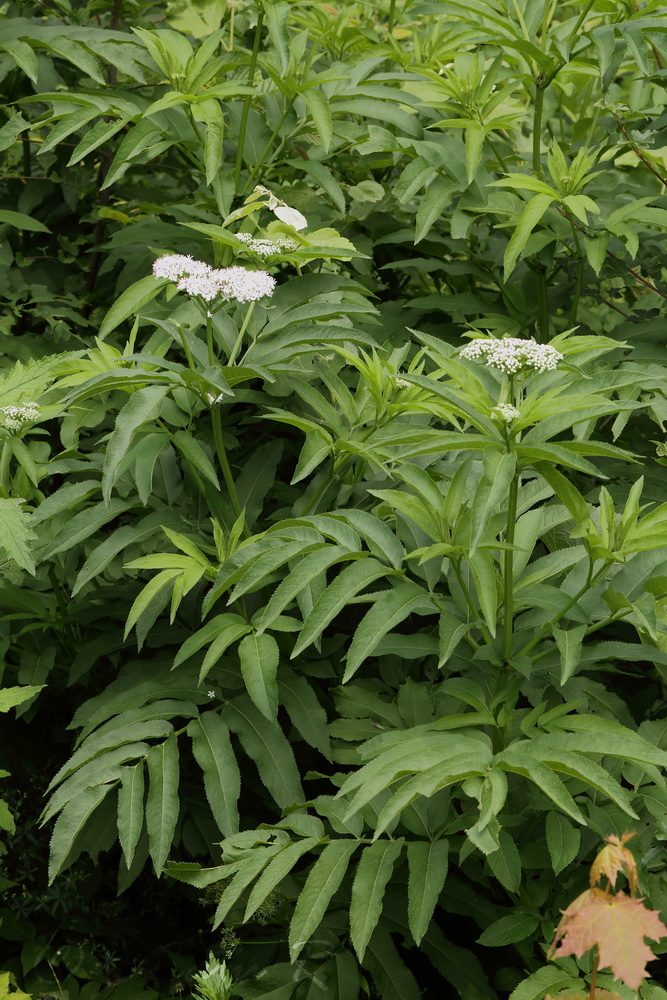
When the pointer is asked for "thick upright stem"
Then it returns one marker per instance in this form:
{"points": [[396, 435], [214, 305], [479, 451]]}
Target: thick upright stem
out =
{"points": [[594, 973], [239, 339], [572, 318], [508, 569], [538, 111], [218, 436], [246, 101]]}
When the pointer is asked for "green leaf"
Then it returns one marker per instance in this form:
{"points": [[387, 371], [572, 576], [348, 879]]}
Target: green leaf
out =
{"points": [[320, 112], [276, 13], [370, 881], [266, 744], [305, 712], [162, 804], [393, 607], [143, 405], [529, 218], [505, 863], [277, 869], [509, 930], [131, 809], [391, 976], [212, 749], [437, 197], [130, 301], [71, 822], [16, 534], [259, 657], [194, 454], [569, 646], [563, 841], [12, 696], [247, 873], [493, 489], [427, 866], [323, 880], [22, 221], [547, 979], [334, 598]]}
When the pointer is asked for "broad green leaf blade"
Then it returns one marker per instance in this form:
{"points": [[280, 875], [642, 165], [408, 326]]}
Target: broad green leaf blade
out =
{"points": [[508, 930], [143, 405], [130, 301], [391, 976], [529, 218], [393, 607], [276, 870], [71, 822], [12, 696], [505, 863], [162, 804], [370, 881], [569, 643], [22, 221], [323, 880], [334, 598], [493, 489], [131, 809], [259, 657], [563, 841], [305, 712], [427, 867], [212, 749], [16, 534], [547, 979], [267, 745]]}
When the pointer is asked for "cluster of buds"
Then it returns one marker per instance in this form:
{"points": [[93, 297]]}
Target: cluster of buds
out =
{"points": [[267, 248], [17, 416], [505, 413], [513, 355], [228, 283]]}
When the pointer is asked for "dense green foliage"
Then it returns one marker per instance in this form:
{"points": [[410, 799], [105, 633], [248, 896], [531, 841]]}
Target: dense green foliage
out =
{"points": [[314, 624]]}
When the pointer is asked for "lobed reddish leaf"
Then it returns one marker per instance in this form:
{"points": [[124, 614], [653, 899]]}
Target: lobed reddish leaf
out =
{"points": [[615, 858], [618, 926]]}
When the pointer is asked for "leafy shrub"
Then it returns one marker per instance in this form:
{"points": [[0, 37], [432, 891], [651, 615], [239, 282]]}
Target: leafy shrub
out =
{"points": [[361, 631]]}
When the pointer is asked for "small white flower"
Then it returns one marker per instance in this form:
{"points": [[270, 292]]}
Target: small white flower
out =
{"points": [[208, 283], [211, 694], [512, 355], [175, 265], [404, 384], [17, 416], [244, 285], [505, 412], [212, 400], [266, 248]]}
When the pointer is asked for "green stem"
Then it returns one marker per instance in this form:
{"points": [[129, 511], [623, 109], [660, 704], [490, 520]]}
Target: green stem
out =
{"points": [[572, 318], [4, 467], [471, 604], [594, 972], [543, 304], [186, 348], [239, 339], [246, 101], [508, 569], [218, 437], [221, 451], [537, 127]]}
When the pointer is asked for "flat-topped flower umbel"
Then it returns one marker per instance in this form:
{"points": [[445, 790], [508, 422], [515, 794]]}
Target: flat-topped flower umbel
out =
{"points": [[228, 283], [513, 355]]}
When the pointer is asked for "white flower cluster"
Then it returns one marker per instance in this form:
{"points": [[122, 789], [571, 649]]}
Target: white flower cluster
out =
{"points": [[513, 355], [266, 248], [505, 412], [197, 278], [403, 383], [17, 416]]}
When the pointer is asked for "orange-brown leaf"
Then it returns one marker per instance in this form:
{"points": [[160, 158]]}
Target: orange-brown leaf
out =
{"points": [[618, 926], [615, 858]]}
